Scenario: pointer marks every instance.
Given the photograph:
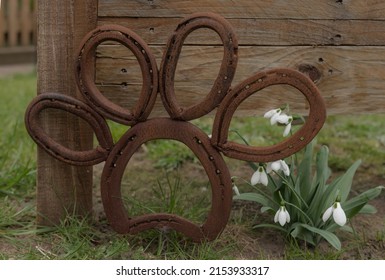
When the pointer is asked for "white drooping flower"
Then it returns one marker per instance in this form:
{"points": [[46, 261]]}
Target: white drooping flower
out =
{"points": [[273, 115], [283, 118], [286, 120], [338, 213], [278, 165], [287, 128], [282, 216], [276, 116], [236, 190], [259, 176]]}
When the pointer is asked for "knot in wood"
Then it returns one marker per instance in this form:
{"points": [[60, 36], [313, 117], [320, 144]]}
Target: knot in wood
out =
{"points": [[311, 71]]}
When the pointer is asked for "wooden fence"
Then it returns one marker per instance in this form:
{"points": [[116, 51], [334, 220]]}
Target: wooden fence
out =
{"points": [[340, 44], [18, 32]]}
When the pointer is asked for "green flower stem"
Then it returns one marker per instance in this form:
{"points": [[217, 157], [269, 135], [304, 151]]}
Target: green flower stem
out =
{"points": [[287, 183], [271, 179], [303, 213], [240, 136], [282, 200]]}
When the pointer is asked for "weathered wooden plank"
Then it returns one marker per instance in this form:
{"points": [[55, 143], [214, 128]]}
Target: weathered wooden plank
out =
{"points": [[18, 55], [310, 9], [2, 24], [61, 188], [13, 24], [351, 79], [26, 22], [17, 23], [265, 31]]}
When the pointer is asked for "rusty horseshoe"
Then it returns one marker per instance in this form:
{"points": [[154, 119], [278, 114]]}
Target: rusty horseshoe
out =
{"points": [[209, 150]]}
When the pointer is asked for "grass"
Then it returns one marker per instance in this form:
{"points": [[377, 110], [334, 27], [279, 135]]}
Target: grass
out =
{"points": [[17, 160], [167, 177]]}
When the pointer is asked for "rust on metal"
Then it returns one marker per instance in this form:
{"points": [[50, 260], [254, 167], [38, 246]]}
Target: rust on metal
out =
{"points": [[85, 74], [97, 109], [252, 85], [211, 160], [78, 108], [170, 59]]}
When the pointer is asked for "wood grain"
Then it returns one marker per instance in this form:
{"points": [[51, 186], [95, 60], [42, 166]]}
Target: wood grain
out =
{"points": [[339, 44], [265, 32], [62, 189], [351, 78], [336, 42], [275, 9]]}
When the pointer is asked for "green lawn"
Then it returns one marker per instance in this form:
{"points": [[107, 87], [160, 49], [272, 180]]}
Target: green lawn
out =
{"points": [[169, 182]]}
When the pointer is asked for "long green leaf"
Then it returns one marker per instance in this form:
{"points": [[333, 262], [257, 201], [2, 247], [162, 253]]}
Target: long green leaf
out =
{"points": [[319, 183], [368, 209], [315, 209], [266, 208], [354, 205], [328, 236], [254, 197], [305, 171], [322, 166], [332, 227], [340, 186], [298, 232], [271, 226], [346, 181]]}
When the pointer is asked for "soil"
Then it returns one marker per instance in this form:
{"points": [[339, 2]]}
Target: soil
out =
{"points": [[368, 242]]}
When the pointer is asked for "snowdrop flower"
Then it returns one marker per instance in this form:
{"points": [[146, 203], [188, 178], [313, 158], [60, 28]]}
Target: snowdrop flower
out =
{"points": [[286, 120], [276, 116], [283, 118], [288, 127], [259, 176], [278, 165], [236, 190], [338, 214], [282, 216], [273, 115]]}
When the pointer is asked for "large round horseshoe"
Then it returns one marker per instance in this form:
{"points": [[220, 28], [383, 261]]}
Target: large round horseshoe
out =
{"points": [[170, 60], [147, 63], [75, 107], [252, 85], [211, 160]]}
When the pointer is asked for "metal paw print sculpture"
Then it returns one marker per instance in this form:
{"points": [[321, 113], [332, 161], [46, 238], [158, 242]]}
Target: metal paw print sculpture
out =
{"points": [[177, 127]]}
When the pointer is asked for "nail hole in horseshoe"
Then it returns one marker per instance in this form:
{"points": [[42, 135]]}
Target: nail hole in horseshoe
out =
{"points": [[128, 78]]}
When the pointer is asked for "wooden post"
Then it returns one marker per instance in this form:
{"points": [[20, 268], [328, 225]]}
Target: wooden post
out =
{"points": [[62, 189]]}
